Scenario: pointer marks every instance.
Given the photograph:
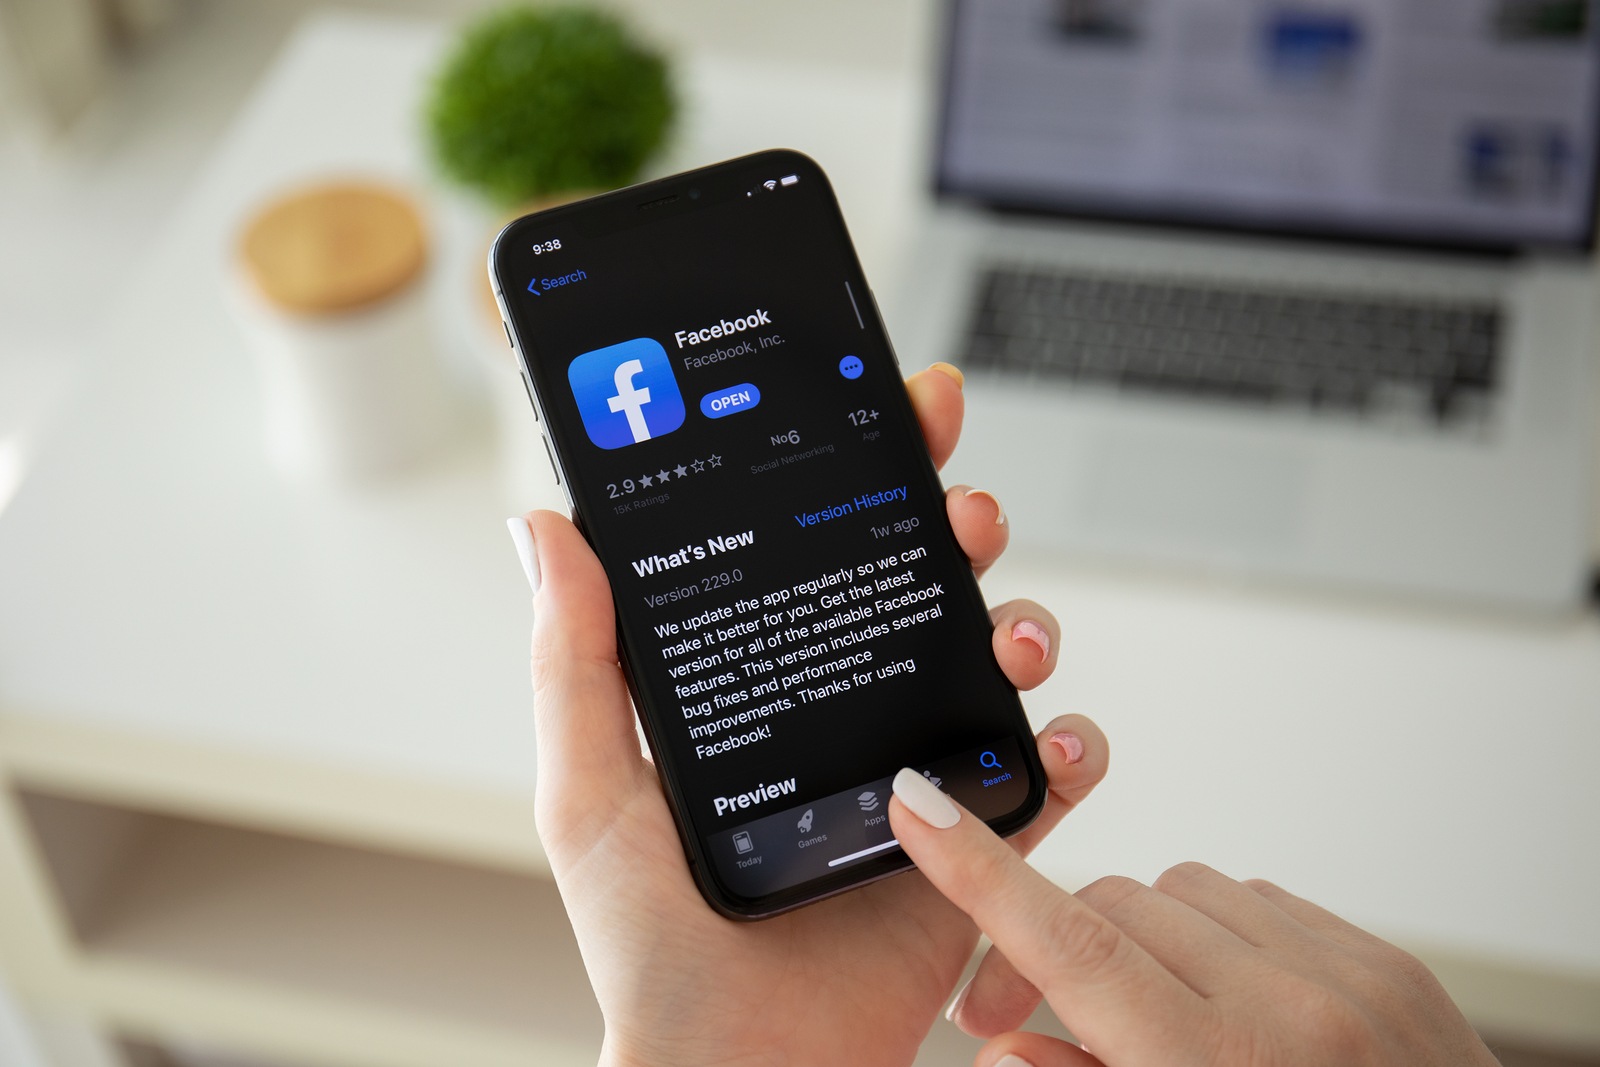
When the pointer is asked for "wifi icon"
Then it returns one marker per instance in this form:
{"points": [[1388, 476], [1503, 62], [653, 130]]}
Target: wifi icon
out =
{"points": [[770, 184]]}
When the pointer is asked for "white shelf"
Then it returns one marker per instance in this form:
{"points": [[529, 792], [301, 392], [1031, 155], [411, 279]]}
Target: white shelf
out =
{"points": [[326, 953], [432, 817]]}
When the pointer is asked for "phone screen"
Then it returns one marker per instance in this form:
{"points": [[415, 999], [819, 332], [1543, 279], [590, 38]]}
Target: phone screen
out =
{"points": [[796, 618]]}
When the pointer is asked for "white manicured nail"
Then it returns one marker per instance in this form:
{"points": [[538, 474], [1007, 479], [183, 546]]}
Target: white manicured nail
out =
{"points": [[924, 800], [955, 1005], [1011, 1059], [522, 537]]}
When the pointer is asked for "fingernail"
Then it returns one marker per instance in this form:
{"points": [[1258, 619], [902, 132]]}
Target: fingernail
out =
{"points": [[1027, 630], [955, 1005], [1011, 1059], [1000, 512], [522, 537], [923, 799], [953, 371], [1071, 746]]}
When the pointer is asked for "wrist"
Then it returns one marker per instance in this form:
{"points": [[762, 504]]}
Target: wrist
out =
{"points": [[613, 1056], [610, 1057], [618, 1053]]}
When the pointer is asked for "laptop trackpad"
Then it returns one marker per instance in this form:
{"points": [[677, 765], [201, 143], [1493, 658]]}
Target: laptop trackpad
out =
{"points": [[1228, 499]]}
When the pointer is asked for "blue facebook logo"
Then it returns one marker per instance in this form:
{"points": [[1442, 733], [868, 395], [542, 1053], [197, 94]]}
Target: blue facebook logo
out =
{"points": [[626, 393]]}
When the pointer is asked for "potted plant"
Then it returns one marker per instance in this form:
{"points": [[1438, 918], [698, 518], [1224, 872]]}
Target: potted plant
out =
{"points": [[539, 103]]}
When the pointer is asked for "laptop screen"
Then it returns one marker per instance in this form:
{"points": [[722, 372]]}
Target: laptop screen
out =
{"points": [[1453, 122]]}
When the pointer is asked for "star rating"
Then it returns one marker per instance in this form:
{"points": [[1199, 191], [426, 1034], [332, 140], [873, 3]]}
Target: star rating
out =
{"points": [[666, 474]]}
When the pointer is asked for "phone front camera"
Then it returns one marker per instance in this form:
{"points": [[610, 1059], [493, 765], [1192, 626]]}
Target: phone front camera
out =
{"points": [[694, 194]]}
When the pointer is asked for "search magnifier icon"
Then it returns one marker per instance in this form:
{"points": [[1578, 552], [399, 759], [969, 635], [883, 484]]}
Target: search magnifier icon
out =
{"points": [[988, 760]]}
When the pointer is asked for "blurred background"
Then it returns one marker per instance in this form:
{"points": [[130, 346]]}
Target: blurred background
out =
{"points": [[1279, 328]]}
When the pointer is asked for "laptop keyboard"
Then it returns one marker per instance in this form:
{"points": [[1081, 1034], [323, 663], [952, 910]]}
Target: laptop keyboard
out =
{"points": [[1434, 359]]}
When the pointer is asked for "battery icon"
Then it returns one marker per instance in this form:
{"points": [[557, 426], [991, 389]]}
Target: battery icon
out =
{"points": [[790, 180]]}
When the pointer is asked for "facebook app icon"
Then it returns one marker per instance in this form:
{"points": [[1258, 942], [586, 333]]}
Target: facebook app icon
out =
{"points": [[626, 393]]}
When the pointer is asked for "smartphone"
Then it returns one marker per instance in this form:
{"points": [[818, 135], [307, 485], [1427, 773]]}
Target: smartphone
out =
{"points": [[796, 620]]}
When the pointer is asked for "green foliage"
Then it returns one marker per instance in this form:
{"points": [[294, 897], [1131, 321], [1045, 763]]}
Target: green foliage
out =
{"points": [[539, 101]]}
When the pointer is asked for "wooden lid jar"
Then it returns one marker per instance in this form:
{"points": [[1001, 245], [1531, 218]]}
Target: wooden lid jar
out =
{"points": [[333, 248], [330, 295]]}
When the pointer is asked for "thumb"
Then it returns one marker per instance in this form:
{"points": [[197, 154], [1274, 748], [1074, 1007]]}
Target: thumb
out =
{"points": [[583, 715], [1108, 990]]}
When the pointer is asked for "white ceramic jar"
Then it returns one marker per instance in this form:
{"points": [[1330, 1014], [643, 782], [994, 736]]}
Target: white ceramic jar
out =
{"points": [[329, 293]]}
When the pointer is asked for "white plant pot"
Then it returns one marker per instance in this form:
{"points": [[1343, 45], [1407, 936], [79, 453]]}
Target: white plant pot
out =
{"points": [[353, 397]]}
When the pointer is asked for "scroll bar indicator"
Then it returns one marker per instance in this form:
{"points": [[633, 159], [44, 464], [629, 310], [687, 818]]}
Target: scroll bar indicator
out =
{"points": [[891, 843], [853, 306]]}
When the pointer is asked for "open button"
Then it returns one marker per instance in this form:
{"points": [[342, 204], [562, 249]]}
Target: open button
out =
{"points": [[727, 401]]}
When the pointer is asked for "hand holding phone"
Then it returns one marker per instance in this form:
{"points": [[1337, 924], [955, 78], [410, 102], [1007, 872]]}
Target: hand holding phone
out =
{"points": [[858, 979]]}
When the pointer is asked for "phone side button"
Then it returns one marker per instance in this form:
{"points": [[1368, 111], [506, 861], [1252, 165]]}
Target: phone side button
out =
{"points": [[509, 341], [555, 469], [527, 387], [879, 312]]}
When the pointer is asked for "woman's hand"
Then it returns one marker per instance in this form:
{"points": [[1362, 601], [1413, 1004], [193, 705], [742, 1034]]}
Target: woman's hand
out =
{"points": [[858, 979], [1196, 969]]}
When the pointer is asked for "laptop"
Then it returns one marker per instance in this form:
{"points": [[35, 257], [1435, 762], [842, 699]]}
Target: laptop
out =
{"points": [[1300, 291]]}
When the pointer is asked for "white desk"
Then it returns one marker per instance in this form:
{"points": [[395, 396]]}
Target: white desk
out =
{"points": [[181, 633]]}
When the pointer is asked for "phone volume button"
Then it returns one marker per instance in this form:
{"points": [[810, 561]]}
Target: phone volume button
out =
{"points": [[876, 310], [509, 341], [553, 468], [527, 387]]}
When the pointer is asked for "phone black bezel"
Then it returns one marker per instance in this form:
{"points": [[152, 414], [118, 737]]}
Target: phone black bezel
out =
{"points": [[640, 205]]}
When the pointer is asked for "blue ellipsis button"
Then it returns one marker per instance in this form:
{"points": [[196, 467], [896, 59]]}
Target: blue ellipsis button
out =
{"points": [[727, 401]]}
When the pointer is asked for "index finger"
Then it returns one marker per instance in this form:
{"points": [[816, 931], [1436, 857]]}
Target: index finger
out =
{"points": [[1105, 988]]}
